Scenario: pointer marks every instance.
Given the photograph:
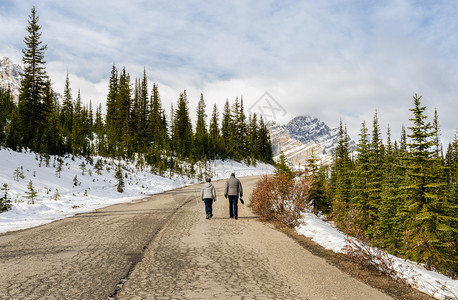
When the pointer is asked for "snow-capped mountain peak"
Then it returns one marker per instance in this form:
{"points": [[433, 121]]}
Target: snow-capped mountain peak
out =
{"points": [[10, 76], [303, 136]]}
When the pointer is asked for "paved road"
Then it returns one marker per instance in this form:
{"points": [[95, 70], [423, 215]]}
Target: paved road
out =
{"points": [[164, 248]]}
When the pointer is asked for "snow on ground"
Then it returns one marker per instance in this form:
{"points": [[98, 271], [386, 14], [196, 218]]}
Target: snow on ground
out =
{"points": [[81, 189], [429, 282]]}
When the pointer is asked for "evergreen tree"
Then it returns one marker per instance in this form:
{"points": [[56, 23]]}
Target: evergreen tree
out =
{"points": [[317, 192], [375, 174], [157, 127], [227, 130], [214, 135], [392, 198], [143, 112], [112, 115], [182, 137], [5, 201], [425, 225], [201, 137], [282, 167], [123, 135], [6, 109], [33, 85], [361, 175], [31, 193], [52, 136], [242, 132], [265, 145], [77, 127], [66, 114], [100, 131], [342, 168], [253, 131]]}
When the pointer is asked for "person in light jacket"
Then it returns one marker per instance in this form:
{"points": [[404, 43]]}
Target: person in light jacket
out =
{"points": [[232, 191], [208, 196]]}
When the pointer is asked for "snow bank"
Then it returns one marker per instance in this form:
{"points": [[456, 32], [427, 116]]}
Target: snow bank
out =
{"points": [[429, 282], [80, 189]]}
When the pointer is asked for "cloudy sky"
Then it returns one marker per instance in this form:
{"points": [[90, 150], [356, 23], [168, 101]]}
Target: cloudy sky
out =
{"points": [[334, 60]]}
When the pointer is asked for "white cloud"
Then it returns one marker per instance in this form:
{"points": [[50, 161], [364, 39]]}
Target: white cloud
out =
{"points": [[331, 60]]}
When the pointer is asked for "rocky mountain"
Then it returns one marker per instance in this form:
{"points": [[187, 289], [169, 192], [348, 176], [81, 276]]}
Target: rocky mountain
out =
{"points": [[296, 152], [10, 76], [309, 130], [301, 137]]}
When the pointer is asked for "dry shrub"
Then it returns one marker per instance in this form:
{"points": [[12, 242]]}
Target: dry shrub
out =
{"points": [[280, 198], [374, 258]]}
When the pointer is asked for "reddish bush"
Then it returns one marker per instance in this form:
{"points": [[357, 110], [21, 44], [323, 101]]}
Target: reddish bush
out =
{"points": [[278, 197]]}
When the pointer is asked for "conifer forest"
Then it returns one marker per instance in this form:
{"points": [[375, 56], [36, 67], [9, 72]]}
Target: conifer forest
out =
{"points": [[400, 195]]}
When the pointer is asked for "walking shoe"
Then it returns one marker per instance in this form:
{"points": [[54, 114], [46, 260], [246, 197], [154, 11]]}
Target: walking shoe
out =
{"points": [[211, 216], [236, 217], [207, 217]]}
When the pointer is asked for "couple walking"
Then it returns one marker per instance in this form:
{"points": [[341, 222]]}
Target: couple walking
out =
{"points": [[232, 191]]}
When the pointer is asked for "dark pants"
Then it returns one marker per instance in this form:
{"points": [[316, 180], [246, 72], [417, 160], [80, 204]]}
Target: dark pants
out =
{"points": [[233, 209], [208, 206]]}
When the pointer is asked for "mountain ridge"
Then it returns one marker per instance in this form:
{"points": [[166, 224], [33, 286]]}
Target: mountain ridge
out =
{"points": [[303, 137], [11, 76]]}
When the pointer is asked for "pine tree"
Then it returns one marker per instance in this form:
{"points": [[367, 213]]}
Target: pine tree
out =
{"points": [[66, 114], [31, 193], [143, 112], [317, 193], [77, 133], [201, 137], [226, 130], [123, 135], [182, 137], [157, 127], [100, 131], [342, 167], [242, 131], [282, 167], [265, 145], [392, 198], [6, 108], [52, 136], [31, 95], [214, 135], [5, 201], [119, 176], [253, 131], [375, 174], [425, 225], [360, 177], [112, 115]]}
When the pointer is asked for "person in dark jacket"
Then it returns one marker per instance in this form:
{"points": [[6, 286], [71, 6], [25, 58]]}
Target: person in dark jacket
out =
{"points": [[232, 191], [208, 196]]}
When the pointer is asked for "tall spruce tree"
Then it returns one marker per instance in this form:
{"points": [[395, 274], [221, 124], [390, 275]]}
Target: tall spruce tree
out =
{"points": [[182, 137], [201, 136], [265, 145], [33, 85], [375, 172], [360, 177], [111, 116], [426, 223], [227, 130], [214, 135], [123, 133]]}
